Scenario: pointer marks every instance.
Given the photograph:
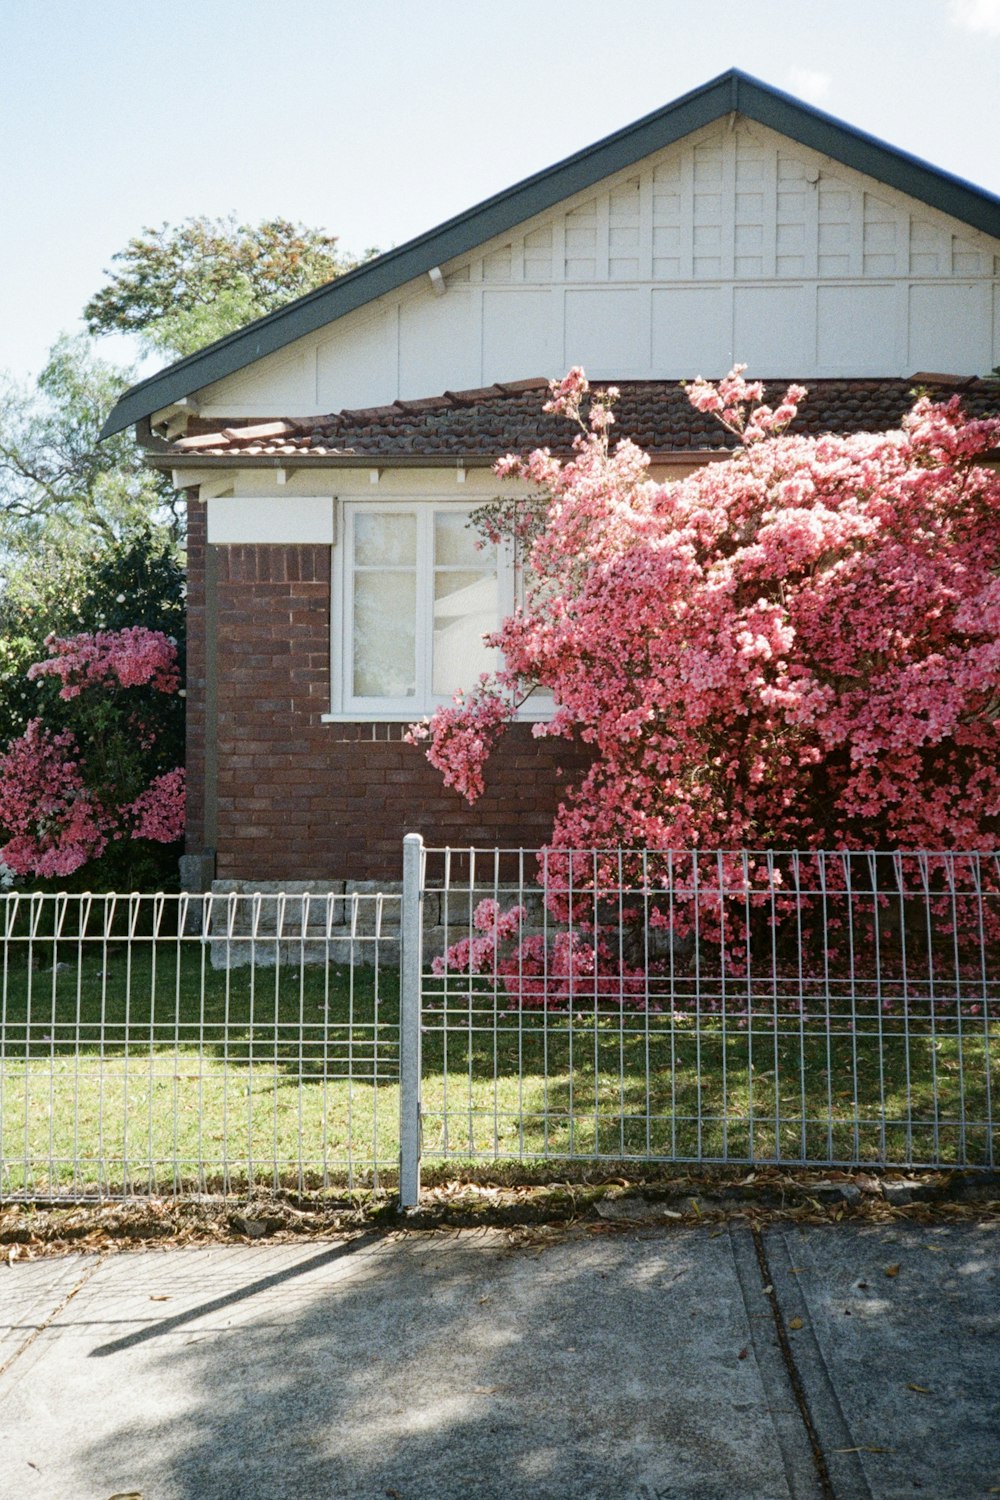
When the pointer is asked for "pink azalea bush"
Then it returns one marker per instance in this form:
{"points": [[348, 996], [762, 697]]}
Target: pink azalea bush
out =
{"points": [[71, 794], [53, 822], [158, 812], [796, 649], [542, 976], [125, 658]]}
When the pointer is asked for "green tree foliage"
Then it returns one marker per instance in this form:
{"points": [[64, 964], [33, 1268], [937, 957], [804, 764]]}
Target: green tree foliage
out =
{"points": [[60, 488], [181, 286], [89, 535]]}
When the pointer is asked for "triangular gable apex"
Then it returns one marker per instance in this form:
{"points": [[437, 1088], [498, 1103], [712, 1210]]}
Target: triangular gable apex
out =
{"points": [[731, 93]]}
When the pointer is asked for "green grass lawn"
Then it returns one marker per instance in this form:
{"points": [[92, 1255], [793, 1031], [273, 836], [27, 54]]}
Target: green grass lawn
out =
{"points": [[154, 1071]]}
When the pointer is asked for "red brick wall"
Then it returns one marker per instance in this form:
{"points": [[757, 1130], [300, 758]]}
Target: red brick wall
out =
{"points": [[299, 799]]}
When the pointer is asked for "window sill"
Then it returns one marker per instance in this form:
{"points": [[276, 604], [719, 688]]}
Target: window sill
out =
{"points": [[525, 715], [375, 718]]}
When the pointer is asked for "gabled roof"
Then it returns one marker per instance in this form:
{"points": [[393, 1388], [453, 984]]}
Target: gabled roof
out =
{"points": [[478, 426], [731, 92]]}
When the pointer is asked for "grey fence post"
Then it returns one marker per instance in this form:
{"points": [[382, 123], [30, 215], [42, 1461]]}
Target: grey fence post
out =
{"points": [[410, 968]]}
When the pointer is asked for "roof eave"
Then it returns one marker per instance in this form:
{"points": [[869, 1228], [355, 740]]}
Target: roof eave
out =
{"points": [[669, 458]]}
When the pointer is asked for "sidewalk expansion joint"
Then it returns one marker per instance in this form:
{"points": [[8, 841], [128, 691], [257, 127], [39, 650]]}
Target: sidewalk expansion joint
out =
{"points": [[53, 1315], [794, 1379]]}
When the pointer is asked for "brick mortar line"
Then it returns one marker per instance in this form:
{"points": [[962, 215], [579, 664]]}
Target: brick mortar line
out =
{"points": [[61, 1308]]}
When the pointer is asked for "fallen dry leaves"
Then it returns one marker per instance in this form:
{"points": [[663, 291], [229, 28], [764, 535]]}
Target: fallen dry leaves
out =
{"points": [[532, 1213]]}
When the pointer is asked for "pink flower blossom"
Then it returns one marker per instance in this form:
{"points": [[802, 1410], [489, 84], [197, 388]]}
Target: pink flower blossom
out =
{"points": [[132, 657], [59, 806], [159, 810], [53, 822]]}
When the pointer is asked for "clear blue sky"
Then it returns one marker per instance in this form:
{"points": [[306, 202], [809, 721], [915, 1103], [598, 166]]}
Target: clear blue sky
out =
{"points": [[377, 120]]}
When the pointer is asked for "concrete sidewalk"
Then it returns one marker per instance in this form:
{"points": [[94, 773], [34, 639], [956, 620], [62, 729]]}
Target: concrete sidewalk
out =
{"points": [[652, 1364]]}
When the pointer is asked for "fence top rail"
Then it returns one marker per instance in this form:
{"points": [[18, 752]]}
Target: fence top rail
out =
{"points": [[753, 875], [223, 900], [705, 854]]}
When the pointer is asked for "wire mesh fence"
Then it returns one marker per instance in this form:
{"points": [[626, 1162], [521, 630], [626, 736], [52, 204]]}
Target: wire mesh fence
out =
{"points": [[611, 1006], [181, 1044], [811, 1009]]}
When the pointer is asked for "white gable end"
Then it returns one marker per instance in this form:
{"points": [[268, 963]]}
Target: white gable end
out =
{"points": [[732, 244]]}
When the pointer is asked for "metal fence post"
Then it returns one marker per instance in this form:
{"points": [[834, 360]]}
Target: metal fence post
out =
{"points": [[411, 964]]}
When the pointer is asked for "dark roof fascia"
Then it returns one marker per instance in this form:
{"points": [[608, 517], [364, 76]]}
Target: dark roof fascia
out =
{"points": [[166, 460], [909, 174], [732, 92]]}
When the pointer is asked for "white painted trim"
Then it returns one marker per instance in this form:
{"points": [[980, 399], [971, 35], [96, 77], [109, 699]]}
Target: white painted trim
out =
{"points": [[413, 717], [247, 520], [213, 485]]}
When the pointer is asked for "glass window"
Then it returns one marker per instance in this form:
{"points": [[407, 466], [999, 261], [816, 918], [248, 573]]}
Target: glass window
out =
{"points": [[384, 619], [465, 605], [419, 595]]}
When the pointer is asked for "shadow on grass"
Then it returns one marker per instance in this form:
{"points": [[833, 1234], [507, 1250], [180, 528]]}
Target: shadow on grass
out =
{"points": [[156, 1060], [170, 998], [680, 1093]]}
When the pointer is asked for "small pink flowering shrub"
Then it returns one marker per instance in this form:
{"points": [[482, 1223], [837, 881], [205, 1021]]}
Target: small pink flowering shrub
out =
{"points": [[52, 821], [86, 781], [796, 649], [570, 972], [479, 953], [158, 812]]}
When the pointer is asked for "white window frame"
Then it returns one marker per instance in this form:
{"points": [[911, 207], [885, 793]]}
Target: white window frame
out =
{"points": [[345, 706]]}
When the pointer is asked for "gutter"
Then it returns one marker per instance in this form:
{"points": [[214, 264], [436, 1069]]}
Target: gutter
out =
{"points": [[672, 458]]}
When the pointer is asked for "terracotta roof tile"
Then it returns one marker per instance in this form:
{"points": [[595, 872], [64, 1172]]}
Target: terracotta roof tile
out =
{"points": [[508, 418], [260, 430], [425, 403]]}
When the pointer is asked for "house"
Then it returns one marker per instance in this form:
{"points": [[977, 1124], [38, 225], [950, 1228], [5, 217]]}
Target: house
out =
{"points": [[332, 451]]}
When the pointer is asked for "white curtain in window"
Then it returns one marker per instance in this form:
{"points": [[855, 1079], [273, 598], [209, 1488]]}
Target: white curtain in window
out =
{"points": [[385, 605], [465, 604]]}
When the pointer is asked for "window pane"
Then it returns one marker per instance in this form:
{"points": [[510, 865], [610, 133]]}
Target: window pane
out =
{"points": [[465, 607], [385, 612], [387, 539], [455, 541]]}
